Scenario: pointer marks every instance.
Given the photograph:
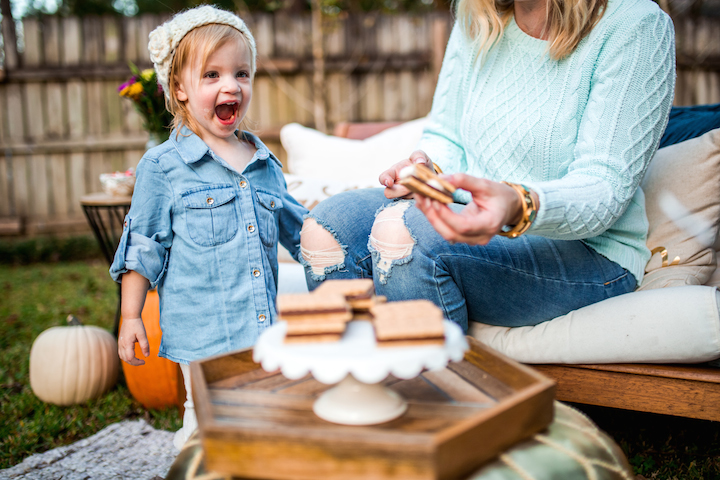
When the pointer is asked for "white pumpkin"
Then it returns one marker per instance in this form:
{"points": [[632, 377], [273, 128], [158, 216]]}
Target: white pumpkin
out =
{"points": [[70, 365]]}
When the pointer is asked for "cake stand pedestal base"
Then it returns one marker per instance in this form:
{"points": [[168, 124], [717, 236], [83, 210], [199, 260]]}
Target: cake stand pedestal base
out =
{"points": [[352, 402]]}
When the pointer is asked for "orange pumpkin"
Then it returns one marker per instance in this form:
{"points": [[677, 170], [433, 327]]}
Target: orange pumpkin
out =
{"points": [[158, 383]]}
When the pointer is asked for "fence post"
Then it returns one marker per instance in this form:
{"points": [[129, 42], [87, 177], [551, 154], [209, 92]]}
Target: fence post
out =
{"points": [[319, 107], [12, 60]]}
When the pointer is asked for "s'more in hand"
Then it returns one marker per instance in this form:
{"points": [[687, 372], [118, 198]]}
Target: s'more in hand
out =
{"points": [[409, 323], [423, 181]]}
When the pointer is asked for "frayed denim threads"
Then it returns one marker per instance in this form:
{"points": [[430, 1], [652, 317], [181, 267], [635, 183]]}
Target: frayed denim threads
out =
{"points": [[388, 254], [308, 257]]}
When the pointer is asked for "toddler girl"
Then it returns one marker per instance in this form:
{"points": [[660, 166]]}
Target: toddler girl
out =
{"points": [[209, 206]]}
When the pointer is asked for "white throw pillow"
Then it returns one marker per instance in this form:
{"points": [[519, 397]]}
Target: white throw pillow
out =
{"points": [[690, 172], [311, 153], [312, 190], [665, 325]]}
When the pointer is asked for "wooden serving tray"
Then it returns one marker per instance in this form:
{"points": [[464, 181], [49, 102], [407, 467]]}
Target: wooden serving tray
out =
{"points": [[258, 424]]}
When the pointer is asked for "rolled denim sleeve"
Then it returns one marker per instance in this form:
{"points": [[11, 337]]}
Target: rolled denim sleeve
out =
{"points": [[147, 231]]}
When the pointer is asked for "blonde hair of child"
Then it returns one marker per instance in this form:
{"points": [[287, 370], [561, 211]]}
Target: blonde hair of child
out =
{"points": [[200, 42], [569, 21]]}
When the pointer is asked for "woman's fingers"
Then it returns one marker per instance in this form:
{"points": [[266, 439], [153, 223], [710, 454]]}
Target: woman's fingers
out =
{"points": [[389, 178], [454, 227]]}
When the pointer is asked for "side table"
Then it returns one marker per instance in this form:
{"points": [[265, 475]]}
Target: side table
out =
{"points": [[105, 214]]}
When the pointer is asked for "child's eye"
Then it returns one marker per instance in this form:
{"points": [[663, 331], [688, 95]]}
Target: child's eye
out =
{"points": [[243, 74], [211, 75]]}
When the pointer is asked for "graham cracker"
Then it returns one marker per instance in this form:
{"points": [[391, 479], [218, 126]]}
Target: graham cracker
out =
{"points": [[318, 338], [350, 289], [317, 326], [413, 319], [411, 343], [340, 317], [302, 304]]}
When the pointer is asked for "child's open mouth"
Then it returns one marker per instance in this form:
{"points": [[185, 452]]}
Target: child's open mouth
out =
{"points": [[226, 112]]}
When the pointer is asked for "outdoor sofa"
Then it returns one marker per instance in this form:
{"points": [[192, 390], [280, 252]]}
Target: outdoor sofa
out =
{"points": [[647, 350]]}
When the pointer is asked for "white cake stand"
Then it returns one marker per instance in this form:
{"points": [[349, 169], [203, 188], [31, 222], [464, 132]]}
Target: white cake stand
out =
{"points": [[356, 365]]}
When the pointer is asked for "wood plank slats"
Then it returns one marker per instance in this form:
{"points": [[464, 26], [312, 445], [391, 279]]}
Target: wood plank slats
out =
{"points": [[76, 109], [112, 31], [15, 112], [93, 44], [54, 111], [59, 181], [687, 397], [51, 40], [20, 185], [76, 181], [32, 57], [34, 110], [6, 201], [71, 41], [130, 39], [39, 189]]}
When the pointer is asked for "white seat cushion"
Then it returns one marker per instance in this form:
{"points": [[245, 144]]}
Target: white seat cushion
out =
{"points": [[668, 325]]}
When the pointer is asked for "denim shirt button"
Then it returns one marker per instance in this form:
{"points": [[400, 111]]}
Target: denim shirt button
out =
{"points": [[261, 317], [243, 184], [210, 201], [272, 204], [251, 228], [256, 273]]}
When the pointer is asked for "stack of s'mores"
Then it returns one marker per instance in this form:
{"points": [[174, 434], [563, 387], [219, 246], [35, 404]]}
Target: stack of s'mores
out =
{"points": [[408, 323], [359, 293], [323, 315], [314, 318]]}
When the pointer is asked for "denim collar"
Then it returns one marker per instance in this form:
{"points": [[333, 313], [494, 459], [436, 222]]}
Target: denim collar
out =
{"points": [[191, 147]]}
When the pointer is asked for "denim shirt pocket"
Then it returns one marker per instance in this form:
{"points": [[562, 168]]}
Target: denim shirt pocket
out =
{"points": [[211, 214], [268, 213]]}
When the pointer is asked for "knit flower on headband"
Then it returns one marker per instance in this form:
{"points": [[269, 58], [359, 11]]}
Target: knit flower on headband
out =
{"points": [[165, 38]]}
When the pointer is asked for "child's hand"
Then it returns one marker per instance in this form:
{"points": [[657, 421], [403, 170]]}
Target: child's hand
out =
{"points": [[132, 331], [390, 177]]}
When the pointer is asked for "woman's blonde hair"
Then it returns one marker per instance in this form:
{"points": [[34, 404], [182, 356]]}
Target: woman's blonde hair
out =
{"points": [[568, 22], [200, 43]]}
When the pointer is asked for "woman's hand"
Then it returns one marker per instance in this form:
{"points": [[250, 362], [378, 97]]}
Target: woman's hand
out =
{"points": [[132, 331], [390, 177], [493, 206]]}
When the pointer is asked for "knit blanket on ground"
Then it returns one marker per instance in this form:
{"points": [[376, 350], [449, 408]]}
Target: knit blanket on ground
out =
{"points": [[131, 449]]}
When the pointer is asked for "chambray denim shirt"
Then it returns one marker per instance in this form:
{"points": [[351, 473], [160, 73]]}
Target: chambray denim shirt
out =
{"points": [[207, 237]]}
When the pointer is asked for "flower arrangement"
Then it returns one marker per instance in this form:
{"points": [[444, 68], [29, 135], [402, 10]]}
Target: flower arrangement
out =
{"points": [[147, 96]]}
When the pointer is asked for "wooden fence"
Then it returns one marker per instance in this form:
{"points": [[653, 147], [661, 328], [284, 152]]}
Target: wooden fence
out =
{"points": [[62, 122]]}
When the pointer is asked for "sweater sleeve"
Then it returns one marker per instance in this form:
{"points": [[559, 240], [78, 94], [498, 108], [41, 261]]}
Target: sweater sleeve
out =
{"points": [[627, 110], [441, 137]]}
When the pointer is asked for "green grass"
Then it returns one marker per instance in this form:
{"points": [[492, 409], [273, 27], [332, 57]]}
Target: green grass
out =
{"points": [[37, 296], [662, 446], [34, 298]]}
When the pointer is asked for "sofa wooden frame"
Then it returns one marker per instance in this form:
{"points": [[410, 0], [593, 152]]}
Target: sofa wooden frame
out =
{"points": [[683, 390]]}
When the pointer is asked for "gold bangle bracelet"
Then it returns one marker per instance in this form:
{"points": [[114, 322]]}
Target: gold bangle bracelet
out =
{"points": [[528, 214]]}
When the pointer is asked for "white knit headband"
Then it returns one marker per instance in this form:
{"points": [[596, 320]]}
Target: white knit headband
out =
{"points": [[165, 38]]}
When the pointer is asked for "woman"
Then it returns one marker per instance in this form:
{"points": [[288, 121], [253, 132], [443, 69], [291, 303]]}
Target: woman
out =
{"points": [[566, 101]]}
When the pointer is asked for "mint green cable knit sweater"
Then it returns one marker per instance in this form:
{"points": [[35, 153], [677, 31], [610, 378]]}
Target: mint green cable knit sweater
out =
{"points": [[580, 131]]}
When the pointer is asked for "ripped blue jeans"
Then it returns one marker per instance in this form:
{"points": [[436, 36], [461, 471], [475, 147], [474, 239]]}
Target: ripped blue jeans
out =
{"points": [[508, 282]]}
